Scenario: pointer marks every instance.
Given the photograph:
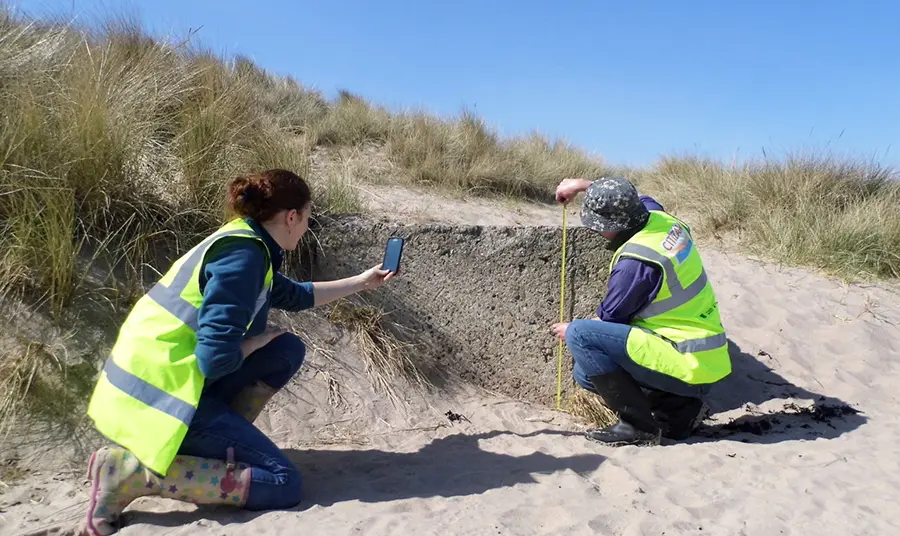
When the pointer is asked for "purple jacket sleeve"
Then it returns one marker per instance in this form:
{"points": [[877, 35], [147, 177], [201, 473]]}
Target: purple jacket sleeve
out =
{"points": [[632, 284], [650, 203]]}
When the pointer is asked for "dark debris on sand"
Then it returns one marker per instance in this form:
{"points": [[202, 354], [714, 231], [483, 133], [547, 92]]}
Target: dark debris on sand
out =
{"points": [[455, 417], [781, 421]]}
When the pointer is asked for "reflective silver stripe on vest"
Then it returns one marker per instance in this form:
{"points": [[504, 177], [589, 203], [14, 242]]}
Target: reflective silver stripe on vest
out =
{"points": [[679, 294], [691, 346], [678, 298], [169, 297], [260, 300], [701, 345], [148, 393]]}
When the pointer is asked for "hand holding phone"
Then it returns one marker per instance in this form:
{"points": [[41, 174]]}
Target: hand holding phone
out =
{"points": [[393, 252], [380, 274]]}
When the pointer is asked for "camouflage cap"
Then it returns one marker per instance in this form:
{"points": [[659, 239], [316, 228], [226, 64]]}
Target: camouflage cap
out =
{"points": [[612, 204]]}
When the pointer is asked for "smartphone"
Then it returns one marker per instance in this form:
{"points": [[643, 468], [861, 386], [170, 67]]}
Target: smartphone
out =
{"points": [[393, 251]]}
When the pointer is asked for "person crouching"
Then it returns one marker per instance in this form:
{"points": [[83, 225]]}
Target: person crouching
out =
{"points": [[658, 327]]}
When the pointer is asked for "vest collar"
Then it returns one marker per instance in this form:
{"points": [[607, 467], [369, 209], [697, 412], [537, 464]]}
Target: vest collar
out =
{"points": [[621, 238], [275, 251]]}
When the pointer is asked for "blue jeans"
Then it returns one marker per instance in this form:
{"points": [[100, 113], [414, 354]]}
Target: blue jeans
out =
{"points": [[275, 482], [599, 348]]}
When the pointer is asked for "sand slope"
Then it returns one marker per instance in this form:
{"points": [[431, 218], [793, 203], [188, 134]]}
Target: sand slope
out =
{"points": [[521, 470]]}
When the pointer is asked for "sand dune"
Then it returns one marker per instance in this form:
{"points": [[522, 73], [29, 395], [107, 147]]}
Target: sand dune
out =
{"points": [[763, 464]]}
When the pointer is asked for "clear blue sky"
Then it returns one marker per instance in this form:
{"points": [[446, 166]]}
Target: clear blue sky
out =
{"points": [[626, 79]]}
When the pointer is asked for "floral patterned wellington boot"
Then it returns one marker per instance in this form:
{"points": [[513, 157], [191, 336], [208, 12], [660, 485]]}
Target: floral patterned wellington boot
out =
{"points": [[118, 478], [250, 402]]}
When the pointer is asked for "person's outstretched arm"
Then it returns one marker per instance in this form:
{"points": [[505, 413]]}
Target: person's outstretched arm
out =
{"points": [[290, 295]]}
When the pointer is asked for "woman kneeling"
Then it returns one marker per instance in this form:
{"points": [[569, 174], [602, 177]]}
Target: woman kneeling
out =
{"points": [[195, 362]]}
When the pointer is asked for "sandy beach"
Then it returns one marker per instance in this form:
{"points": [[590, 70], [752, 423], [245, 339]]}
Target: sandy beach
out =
{"points": [[763, 464]]}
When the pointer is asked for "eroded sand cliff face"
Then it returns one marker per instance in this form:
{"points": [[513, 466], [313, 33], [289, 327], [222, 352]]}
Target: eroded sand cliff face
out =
{"points": [[476, 301]]}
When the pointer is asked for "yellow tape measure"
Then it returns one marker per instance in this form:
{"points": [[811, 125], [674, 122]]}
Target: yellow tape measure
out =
{"points": [[562, 311]]}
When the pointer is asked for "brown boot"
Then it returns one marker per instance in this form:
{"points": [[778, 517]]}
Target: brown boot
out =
{"points": [[250, 402], [118, 478]]}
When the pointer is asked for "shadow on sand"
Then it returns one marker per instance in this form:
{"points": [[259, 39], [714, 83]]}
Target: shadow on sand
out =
{"points": [[753, 381], [452, 466]]}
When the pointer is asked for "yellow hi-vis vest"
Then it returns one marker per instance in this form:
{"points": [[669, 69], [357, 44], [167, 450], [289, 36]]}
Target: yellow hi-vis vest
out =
{"points": [[679, 333], [150, 386]]}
